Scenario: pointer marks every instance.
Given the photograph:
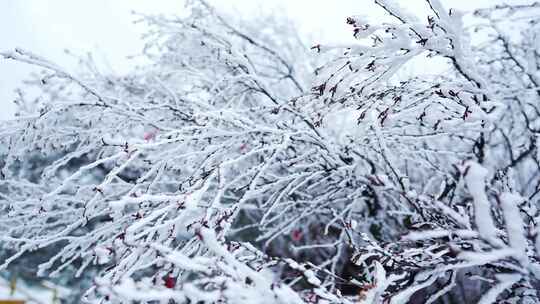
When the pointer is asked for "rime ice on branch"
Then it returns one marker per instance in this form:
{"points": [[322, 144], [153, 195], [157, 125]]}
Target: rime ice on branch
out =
{"points": [[239, 167]]}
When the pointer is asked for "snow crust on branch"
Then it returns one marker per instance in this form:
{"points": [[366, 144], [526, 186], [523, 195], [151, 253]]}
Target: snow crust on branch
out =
{"points": [[238, 167]]}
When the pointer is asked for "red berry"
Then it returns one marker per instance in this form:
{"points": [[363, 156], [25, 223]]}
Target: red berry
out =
{"points": [[296, 235], [149, 136], [170, 282]]}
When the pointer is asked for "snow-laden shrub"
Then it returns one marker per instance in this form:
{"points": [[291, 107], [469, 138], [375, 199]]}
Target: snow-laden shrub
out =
{"points": [[238, 166]]}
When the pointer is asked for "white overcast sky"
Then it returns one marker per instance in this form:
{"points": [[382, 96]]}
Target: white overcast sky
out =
{"points": [[104, 27]]}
